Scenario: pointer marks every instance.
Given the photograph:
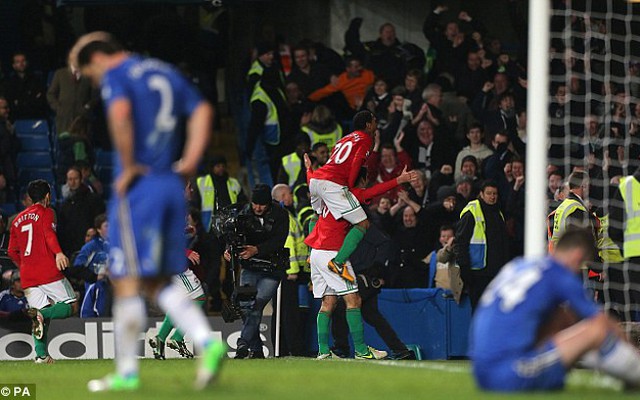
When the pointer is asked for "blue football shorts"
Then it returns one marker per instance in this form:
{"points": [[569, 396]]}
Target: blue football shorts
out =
{"points": [[146, 228], [536, 370]]}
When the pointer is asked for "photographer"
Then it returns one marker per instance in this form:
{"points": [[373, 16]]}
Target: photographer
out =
{"points": [[266, 226]]}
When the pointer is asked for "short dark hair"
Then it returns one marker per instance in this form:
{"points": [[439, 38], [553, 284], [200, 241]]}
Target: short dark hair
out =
{"points": [[99, 220], [38, 190], [488, 183], [317, 145], [99, 46], [577, 238], [447, 227], [362, 118], [577, 179]]}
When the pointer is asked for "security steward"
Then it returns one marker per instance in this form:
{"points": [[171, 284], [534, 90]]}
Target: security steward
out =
{"points": [[624, 229], [265, 240]]}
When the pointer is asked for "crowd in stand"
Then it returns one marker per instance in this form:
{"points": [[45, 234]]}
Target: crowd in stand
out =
{"points": [[457, 117]]}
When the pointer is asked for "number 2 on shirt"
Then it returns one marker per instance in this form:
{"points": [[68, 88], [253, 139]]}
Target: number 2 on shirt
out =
{"points": [[341, 152]]}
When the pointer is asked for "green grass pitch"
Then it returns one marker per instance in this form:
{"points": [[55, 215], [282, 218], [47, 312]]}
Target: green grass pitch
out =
{"points": [[290, 378]]}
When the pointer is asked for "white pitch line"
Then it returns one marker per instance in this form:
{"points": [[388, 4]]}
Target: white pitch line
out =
{"points": [[574, 378]]}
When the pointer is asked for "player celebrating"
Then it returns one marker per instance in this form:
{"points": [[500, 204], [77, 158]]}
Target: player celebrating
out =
{"points": [[325, 240], [34, 248], [525, 335], [145, 100], [331, 183]]}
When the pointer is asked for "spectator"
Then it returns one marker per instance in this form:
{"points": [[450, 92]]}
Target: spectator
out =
{"points": [[450, 44], [466, 190], [431, 153], [77, 212], [7, 153], [430, 110], [470, 77], [70, 96], [384, 56], [308, 74], [456, 113], [447, 272], [353, 84], [476, 148], [444, 211], [515, 206], [481, 241], [89, 179], [554, 183], [319, 155], [24, 90], [381, 216], [387, 162], [323, 127], [413, 89], [418, 190], [300, 107], [13, 302], [504, 120], [406, 267], [398, 117], [377, 100], [487, 99], [494, 166], [74, 145]]}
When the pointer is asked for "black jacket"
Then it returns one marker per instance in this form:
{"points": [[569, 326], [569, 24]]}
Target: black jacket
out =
{"points": [[273, 232]]}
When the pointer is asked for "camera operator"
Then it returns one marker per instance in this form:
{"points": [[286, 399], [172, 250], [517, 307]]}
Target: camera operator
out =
{"points": [[262, 243]]}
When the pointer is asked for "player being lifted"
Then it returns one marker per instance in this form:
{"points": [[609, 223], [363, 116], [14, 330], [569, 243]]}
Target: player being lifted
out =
{"points": [[145, 100], [535, 322], [331, 184], [34, 248], [325, 239]]}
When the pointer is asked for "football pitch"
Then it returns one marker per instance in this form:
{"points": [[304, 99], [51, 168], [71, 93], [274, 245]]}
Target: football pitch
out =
{"points": [[290, 378]]}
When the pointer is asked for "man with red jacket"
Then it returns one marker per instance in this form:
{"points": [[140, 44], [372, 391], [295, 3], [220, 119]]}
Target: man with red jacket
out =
{"points": [[34, 248]]}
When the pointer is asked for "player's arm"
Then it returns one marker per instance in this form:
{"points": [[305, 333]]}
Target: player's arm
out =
{"points": [[62, 262], [120, 120], [198, 133], [383, 187], [14, 249], [307, 165]]}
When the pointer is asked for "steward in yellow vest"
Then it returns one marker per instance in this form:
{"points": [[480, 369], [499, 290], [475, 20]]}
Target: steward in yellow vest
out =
{"points": [[482, 245], [292, 172], [217, 190], [624, 216]]}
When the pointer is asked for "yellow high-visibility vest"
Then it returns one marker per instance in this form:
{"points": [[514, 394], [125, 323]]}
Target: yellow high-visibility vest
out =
{"points": [[330, 138], [292, 166], [208, 196], [271, 123], [630, 191]]}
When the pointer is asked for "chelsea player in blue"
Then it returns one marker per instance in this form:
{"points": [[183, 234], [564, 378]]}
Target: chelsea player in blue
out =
{"points": [[144, 100], [535, 321]]}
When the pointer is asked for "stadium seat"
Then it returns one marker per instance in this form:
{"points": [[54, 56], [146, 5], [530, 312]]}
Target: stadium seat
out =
{"points": [[31, 127], [8, 208], [27, 175], [34, 143], [104, 158], [39, 159]]}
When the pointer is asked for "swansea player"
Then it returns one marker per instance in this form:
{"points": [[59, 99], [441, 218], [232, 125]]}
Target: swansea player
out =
{"points": [[325, 240], [331, 183], [145, 100], [535, 322], [34, 248]]}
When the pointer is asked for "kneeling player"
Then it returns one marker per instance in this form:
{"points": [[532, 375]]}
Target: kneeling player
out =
{"points": [[517, 342]]}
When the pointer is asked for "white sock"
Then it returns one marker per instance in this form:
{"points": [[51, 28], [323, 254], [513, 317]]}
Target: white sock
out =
{"points": [[128, 317], [185, 314], [620, 360]]}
